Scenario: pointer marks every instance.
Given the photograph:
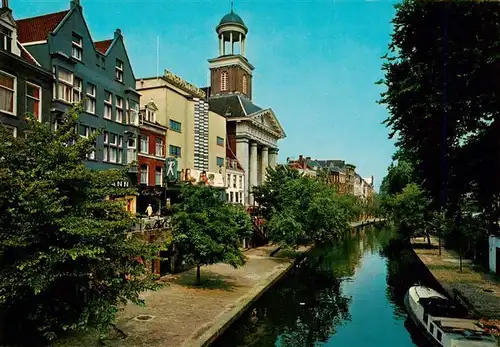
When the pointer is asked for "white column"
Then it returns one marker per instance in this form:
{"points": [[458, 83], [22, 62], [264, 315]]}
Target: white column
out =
{"points": [[231, 41], [221, 43], [240, 41], [253, 169], [273, 157], [264, 163], [242, 156], [243, 46]]}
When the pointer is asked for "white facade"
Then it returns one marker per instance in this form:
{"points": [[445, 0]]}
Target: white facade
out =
{"points": [[494, 252], [235, 186]]}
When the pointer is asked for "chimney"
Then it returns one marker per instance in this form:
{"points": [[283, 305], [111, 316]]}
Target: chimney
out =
{"points": [[74, 3], [118, 33], [5, 3], [308, 158], [300, 157]]}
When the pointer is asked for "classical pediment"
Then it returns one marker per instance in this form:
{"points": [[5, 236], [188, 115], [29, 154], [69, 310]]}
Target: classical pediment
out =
{"points": [[267, 119]]}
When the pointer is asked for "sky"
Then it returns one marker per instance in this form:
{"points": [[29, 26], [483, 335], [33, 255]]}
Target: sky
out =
{"points": [[316, 62]]}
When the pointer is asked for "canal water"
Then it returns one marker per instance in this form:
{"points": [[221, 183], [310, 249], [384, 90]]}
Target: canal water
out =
{"points": [[349, 295]]}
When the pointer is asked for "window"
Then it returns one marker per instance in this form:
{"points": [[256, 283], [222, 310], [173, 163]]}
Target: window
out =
{"points": [[234, 181], [65, 85], [90, 103], [158, 175], [119, 109], [223, 81], [33, 99], [108, 108], [112, 153], [245, 87], [132, 112], [174, 151], [241, 197], [144, 174], [175, 126], [159, 147], [231, 198], [7, 93], [119, 70], [220, 161], [77, 47], [431, 328], [220, 141], [131, 151], [439, 335], [144, 144], [6, 39], [228, 180], [241, 182], [150, 115], [85, 131], [77, 89]]}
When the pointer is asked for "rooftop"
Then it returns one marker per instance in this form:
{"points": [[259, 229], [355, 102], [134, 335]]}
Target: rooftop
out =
{"points": [[38, 28]]}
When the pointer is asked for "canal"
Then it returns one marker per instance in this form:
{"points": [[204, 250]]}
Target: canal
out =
{"points": [[349, 295]]}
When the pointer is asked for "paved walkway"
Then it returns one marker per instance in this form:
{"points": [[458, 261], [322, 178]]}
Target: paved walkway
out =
{"points": [[366, 222], [481, 289], [185, 315]]}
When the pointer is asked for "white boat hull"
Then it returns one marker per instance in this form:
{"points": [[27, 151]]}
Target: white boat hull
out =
{"points": [[442, 323]]}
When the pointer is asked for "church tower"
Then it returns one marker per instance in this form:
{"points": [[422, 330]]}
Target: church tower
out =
{"points": [[230, 72]]}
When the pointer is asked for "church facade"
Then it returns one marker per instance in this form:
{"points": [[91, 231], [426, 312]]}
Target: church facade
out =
{"points": [[253, 132]]}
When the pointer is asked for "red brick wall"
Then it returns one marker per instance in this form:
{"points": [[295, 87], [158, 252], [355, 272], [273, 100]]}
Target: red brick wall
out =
{"points": [[234, 80], [151, 162]]}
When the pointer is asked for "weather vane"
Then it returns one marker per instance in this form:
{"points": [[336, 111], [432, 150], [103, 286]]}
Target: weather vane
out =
{"points": [[232, 5]]}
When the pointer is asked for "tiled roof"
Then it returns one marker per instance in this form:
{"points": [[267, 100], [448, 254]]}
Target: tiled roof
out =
{"points": [[232, 105], [102, 46], [38, 28]]}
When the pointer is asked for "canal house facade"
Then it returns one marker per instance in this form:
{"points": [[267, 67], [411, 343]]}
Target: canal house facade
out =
{"points": [[25, 86], [97, 71], [151, 158]]}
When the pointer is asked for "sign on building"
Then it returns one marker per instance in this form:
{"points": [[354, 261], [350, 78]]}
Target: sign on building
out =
{"points": [[171, 166]]}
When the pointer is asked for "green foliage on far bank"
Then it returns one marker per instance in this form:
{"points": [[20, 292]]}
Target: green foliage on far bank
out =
{"points": [[302, 211], [207, 229], [67, 263]]}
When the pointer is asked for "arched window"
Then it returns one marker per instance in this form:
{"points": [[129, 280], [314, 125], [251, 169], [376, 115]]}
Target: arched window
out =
{"points": [[223, 81], [245, 82]]}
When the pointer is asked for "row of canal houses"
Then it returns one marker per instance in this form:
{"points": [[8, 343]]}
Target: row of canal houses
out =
{"points": [[50, 62]]}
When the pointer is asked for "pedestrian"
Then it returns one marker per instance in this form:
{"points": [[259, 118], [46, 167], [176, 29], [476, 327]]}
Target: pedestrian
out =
{"points": [[149, 210]]}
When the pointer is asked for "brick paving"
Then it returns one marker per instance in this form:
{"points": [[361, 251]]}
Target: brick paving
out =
{"points": [[186, 315], [481, 289]]}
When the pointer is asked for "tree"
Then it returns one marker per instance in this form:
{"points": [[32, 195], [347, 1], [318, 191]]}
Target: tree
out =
{"points": [[442, 96], [300, 210], [67, 263], [399, 175], [410, 210], [207, 229]]}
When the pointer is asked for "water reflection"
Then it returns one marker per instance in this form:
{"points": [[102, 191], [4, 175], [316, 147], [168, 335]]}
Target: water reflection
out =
{"points": [[347, 295]]}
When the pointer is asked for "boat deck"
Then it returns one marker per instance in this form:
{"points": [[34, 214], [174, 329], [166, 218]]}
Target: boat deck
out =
{"points": [[457, 325]]}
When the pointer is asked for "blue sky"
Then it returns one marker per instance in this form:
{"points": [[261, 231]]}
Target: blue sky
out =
{"points": [[316, 62]]}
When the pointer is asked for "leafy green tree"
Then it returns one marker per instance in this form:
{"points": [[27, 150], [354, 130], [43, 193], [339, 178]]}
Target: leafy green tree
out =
{"points": [[67, 263], [302, 211], [410, 210], [207, 229], [399, 175], [442, 99]]}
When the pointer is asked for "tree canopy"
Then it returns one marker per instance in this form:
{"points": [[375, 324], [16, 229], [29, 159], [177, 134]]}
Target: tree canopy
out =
{"points": [[67, 263], [301, 211], [442, 97], [207, 229]]}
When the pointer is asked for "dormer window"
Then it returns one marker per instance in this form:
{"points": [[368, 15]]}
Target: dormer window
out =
{"points": [[119, 70], [223, 81], [150, 116], [6, 39], [77, 47]]}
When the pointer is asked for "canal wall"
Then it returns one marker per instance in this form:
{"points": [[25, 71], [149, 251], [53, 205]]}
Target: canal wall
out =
{"points": [[477, 291], [225, 320]]}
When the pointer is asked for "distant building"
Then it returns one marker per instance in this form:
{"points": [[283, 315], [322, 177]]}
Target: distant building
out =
{"points": [[25, 86], [307, 166]]}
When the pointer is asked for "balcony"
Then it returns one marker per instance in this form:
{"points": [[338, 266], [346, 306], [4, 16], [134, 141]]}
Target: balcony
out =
{"points": [[154, 223]]}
